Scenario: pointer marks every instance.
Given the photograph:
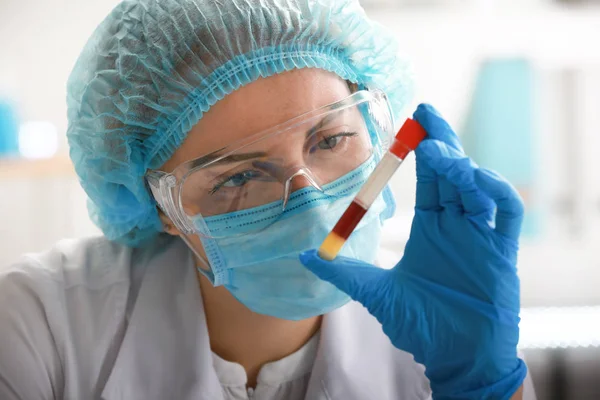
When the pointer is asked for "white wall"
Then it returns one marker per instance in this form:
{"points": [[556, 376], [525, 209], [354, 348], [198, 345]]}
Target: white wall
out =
{"points": [[40, 41]]}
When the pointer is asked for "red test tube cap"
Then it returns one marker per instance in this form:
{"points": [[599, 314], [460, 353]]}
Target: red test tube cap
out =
{"points": [[408, 138]]}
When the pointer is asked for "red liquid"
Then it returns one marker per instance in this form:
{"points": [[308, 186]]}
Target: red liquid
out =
{"points": [[349, 220]]}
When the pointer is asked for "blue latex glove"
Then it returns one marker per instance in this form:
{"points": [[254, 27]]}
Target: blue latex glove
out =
{"points": [[453, 299]]}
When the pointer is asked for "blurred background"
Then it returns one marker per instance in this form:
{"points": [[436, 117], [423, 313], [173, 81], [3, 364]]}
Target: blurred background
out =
{"points": [[518, 79]]}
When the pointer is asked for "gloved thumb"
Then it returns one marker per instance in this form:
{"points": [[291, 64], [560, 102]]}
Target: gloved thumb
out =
{"points": [[359, 280]]}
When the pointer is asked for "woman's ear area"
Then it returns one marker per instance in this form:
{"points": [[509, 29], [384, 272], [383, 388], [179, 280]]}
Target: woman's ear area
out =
{"points": [[168, 225]]}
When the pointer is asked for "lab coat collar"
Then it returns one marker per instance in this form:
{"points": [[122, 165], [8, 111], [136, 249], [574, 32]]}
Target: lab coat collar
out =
{"points": [[355, 360]]}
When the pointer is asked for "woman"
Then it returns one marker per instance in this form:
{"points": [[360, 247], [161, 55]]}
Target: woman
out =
{"points": [[218, 142]]}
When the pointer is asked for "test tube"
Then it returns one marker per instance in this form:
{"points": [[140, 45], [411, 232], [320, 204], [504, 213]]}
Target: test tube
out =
{"points": [[407, 139]]}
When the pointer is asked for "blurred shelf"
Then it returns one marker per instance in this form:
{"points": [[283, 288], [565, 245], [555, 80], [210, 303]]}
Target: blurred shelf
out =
{"points": [[18, 168], [559, 327]]}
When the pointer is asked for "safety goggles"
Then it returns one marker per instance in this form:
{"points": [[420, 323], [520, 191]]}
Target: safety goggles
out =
{"points": [[314, 149]]}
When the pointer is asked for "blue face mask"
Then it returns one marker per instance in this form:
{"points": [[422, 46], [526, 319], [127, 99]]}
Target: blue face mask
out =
{"points": [[262, 269]]}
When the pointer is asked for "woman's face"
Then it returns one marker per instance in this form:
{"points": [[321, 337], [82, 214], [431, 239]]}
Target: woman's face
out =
{"points": [[260, 105]]}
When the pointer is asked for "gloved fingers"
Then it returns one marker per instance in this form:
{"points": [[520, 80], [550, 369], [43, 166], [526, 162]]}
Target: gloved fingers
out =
{"points": [[427, 198], [450, 198], [436, 127], [428, 187], [479, 208], [509, 206], [449, 163], [357, 279], [477, 204], [456, 175], [432, 193]]}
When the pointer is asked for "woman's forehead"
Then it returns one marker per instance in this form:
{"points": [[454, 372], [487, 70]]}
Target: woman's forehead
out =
{"points": [[258, 106]]}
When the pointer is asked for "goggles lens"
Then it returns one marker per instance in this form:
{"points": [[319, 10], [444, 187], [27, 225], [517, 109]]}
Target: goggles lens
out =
{"points": [[312, 150]]}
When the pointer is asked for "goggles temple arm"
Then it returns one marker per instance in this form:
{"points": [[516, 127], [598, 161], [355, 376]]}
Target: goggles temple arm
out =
{"points": [[161, 185]]}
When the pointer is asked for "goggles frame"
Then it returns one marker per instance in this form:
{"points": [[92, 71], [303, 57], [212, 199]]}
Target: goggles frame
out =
{"points": [[165, 187]]}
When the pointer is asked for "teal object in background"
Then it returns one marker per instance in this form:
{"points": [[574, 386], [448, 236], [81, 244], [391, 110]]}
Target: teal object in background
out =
{"points": [[499, 130], [9, 130]]}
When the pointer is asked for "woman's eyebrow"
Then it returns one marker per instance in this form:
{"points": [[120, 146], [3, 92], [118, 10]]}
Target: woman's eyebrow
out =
{"points": [[225, 160], [249, 156], [320, 124]]}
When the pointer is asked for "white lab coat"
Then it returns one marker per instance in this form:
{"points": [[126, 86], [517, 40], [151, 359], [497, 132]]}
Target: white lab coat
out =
{"points": [[94, 320]]}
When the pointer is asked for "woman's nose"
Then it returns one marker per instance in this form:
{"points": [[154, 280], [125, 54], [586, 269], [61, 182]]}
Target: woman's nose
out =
{"points": [[299, 178], [301, 181]]}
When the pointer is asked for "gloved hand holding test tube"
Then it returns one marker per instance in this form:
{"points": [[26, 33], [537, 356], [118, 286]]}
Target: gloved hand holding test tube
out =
{"points": [[453, 297], [407, 139]]}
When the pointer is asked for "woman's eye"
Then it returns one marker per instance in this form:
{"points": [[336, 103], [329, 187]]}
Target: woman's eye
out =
{"points": [[330, 142], [237, 180], [240, 179]]}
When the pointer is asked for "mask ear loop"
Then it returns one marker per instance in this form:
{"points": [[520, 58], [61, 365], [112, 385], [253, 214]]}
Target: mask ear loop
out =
{"points": [[216, 279], [161, 188]]}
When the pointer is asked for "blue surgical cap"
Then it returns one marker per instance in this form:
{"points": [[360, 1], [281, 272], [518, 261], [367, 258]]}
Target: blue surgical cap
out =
{"points": [[152, 68]]}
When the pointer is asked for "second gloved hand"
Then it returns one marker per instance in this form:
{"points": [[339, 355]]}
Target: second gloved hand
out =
{"points": [[453, 299]]}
